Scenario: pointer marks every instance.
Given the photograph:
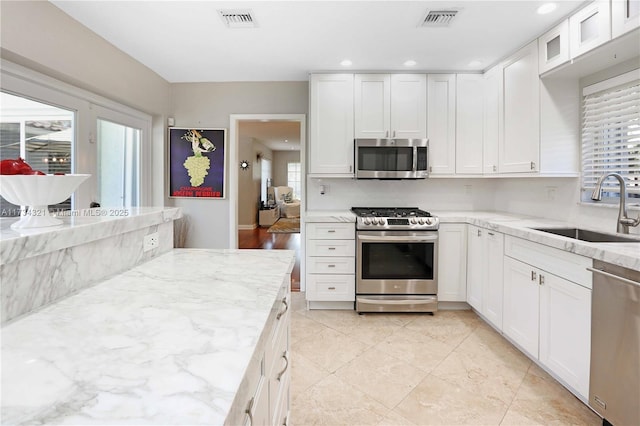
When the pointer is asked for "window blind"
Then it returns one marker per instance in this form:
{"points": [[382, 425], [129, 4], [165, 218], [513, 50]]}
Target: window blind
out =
{"points": [[611, 137]]}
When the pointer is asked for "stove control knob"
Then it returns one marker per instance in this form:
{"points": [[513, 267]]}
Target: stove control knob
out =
{"points": [[421, 221], [428, 221], [366, 221], [380, 221], [413, 220]]}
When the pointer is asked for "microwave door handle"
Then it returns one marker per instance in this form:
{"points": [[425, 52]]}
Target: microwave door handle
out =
{"points": [[415, 158], [426, 238]]}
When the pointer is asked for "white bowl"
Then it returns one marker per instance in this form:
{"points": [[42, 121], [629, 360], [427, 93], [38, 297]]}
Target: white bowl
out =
{"points": [[38, 192]]}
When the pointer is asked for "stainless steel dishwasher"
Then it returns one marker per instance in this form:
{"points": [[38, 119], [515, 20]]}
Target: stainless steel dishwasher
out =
{"points": [[614, 388]]}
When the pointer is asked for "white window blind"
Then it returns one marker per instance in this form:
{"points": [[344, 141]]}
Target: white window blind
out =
{"points": [[611, 135]]}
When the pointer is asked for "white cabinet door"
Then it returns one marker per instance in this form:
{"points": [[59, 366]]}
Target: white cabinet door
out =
{"points": [[521, 302], [476, 266], [625, 16], [372, 105], [565, 331], [589, 27], [452, 262], [331, 127], [409, 106], [441, 123], [493, 288], [553, 47], [519, 151], [469, 123], [493, 115]]}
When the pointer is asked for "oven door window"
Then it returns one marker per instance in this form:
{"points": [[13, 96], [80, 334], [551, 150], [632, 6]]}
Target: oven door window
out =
{"points": [[397, 261], [385, 159]]}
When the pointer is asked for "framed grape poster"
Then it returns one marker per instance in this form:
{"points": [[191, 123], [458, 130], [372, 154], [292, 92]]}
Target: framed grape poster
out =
{"points": [[197, 162]]}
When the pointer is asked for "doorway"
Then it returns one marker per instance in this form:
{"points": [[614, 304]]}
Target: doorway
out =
{"points": [[266, 183]]}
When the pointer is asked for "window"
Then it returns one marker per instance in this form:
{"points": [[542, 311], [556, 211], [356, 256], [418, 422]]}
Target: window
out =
{"points": [[293, 178], [611, 135], [41, 134], [266, 179]]}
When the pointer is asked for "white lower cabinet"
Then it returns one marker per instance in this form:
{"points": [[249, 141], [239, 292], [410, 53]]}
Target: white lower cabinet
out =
{"points": [[330, 260], [485, 273], [452, 262], [548, 315], [270, 402]]}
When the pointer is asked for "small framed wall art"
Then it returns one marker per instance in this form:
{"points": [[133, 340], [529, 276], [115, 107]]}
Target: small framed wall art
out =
{"points": [[197, 162]]}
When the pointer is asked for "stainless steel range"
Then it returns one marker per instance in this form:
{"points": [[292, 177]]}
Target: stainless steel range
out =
{"points": [[396, 260]]}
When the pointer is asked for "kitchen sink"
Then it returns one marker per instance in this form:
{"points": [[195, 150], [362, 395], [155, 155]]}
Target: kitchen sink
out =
{"points": [[590, 236]]}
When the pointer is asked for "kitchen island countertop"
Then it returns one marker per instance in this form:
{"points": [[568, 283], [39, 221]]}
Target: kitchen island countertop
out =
{"points": [[167, 342]]}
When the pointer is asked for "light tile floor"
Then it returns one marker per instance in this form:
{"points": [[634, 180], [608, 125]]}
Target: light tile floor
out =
{"points": [[412, 369]]}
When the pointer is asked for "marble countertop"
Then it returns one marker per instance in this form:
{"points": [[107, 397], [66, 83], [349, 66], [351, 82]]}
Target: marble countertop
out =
{"points": [[518, 225], [167, 342], [622, 254], [81, 226]]}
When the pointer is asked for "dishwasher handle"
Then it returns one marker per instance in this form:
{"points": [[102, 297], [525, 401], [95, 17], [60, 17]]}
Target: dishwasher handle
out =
{"points": [[615, 277]]}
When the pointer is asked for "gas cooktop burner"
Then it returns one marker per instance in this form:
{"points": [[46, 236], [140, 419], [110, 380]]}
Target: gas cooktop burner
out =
{"points": [[389, 212], [394, 218]]}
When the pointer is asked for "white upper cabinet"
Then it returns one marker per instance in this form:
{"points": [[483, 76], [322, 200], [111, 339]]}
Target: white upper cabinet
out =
{"points": [[441, 123], [553, 47], [390, 106], [331, 127], [520, 147], [469, 123], [625, 16], [589, 27], [372, 105], [492, 128], [409, 106]]}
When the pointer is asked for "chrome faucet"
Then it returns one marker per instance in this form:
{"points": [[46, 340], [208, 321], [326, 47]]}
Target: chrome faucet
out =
{"points": [[624, 222]]}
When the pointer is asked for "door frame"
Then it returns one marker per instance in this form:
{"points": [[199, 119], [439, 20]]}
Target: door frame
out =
{"points": [[235, 120]]}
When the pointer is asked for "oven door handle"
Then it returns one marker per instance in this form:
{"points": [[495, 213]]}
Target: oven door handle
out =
{"points": [[422, 238]]}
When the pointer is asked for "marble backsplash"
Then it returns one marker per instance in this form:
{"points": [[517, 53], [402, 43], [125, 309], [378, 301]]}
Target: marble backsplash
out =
{"points": [[32, 282]]}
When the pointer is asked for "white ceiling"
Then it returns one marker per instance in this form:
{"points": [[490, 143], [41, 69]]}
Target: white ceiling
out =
{"points": [[277, 135], [187, 41]]}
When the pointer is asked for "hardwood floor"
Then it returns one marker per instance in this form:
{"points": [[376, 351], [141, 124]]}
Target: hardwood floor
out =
{"points": [[259, 238]]}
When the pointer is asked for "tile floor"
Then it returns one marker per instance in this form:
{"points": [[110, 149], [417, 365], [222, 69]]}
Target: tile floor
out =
{"points": [[409, 369]]}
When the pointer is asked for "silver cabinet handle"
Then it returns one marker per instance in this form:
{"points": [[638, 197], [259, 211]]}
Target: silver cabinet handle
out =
{"points": [[331, 288], [331, 231], [286, 365], [331, 248], [479, 232], [534, 276], [533, 165], [394, 134], [286, 307], [331, 266], [541, 280], [495, 168], [491, 233], [248, 411]]}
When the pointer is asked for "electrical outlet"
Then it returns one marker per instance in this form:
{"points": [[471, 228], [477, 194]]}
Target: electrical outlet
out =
{"points": [[150, 241]]}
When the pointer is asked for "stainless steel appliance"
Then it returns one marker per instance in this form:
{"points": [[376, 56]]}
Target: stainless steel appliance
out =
{"points": [[391, 158], [396, 260], [614, 388]]}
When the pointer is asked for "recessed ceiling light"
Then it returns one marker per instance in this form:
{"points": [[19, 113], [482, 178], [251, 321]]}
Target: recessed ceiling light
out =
{"points": [[547, 8], [474, 64], [346, 63], [410, 63]]}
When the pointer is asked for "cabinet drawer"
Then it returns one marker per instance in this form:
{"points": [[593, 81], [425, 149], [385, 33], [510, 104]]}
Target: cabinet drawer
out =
{"points": [[331, 265], [331, 248], [331, 287], [331, 231], [567, 265]]}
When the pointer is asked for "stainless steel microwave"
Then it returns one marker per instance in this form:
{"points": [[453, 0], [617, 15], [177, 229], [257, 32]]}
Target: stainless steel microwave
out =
{"points": [[391, 158]]}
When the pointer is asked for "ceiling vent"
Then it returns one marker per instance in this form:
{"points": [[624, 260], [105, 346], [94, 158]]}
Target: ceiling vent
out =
{"points": [[438, 18], [238, 18]]}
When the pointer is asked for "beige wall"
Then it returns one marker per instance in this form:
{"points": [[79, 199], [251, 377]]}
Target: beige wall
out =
{"points": [[280, 160], [38, 35], [210, 105]]}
